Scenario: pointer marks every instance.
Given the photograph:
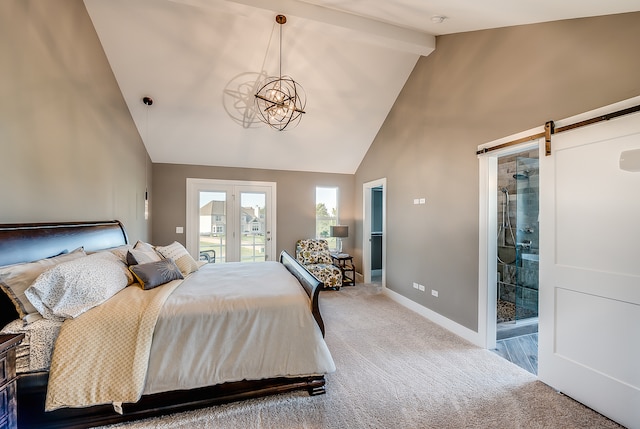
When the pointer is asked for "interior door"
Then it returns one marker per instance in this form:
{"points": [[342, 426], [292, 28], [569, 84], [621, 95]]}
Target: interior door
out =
{"points": [[589, 322], [374, 231]]}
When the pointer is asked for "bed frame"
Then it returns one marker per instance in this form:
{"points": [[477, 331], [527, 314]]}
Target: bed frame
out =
{"points": [[29, 242]]}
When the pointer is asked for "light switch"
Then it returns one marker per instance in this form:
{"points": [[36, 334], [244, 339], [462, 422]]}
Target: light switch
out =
{"points": [[179, 230], [423, 200]]}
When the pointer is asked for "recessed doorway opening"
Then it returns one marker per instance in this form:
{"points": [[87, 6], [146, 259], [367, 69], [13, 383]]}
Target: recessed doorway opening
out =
{"points": [[518, 252]]}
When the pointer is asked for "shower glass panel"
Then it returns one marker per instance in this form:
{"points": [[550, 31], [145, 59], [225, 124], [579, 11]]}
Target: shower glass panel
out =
{"points": [[527, 237], [518, 237]]}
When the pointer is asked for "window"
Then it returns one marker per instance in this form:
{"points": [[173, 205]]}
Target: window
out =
{"points": [[326, 213]]}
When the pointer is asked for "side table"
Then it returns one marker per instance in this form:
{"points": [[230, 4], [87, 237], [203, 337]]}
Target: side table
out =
{"points": [[344, 261], [8, 384]]}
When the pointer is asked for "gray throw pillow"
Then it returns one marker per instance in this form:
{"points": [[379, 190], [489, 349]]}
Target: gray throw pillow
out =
{"points": [[154, 274]]}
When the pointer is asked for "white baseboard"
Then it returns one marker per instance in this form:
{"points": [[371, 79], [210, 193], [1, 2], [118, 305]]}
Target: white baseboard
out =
{"points": [[456, 328]]}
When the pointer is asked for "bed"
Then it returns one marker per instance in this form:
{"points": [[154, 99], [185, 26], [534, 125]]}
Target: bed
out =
{"points": [[226, 371]]}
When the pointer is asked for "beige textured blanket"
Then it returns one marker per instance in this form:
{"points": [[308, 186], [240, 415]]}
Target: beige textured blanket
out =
{"points": [[101, 357]]}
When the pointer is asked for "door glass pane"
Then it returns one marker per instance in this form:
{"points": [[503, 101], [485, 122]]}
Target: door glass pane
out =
{"points": [[253, 234], [213, 226], [527, 236]]}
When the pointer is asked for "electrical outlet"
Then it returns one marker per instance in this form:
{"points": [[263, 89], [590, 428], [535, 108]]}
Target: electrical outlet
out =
{"points": [[415, 285], [421, 287], [434, 292], [179, 230]]}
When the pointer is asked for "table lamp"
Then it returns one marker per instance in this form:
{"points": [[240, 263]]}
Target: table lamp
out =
{"points": [[339, 231]]}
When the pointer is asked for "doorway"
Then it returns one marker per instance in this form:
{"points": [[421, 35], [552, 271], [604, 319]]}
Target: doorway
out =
{"points": [[491, 220], [230, 221], [374, 231], [518, 244]]}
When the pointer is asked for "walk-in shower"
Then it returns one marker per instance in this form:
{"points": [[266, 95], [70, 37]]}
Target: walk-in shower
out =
{"points": [[524, 175], [518, 237]]}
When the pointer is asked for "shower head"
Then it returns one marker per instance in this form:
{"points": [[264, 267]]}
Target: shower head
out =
{"points": [[505, 190], [521, 176]]}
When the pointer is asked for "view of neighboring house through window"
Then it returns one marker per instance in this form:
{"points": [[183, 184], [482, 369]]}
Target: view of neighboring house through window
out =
{"points": [[252, 226], [326, 213], [213, 222], [213, 226]]}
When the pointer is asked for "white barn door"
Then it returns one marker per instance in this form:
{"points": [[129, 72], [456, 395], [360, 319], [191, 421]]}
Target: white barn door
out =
{"points": [[589, 319]]}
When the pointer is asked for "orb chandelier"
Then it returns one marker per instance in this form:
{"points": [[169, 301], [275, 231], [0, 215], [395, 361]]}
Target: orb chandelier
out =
{"points": [[280, 101]]}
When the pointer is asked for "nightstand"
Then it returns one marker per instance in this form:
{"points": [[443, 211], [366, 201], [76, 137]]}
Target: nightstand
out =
{"points": [[8, 385], [344, 261]]}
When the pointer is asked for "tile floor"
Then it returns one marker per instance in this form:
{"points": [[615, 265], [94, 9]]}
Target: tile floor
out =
{"points": [[521, 350]]}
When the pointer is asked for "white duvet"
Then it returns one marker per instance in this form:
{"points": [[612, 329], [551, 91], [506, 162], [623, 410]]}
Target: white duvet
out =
{"points": [[235, 321]]}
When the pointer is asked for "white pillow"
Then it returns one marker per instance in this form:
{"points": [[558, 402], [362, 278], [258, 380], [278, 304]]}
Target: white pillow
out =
{"points": [[16, 279], [73, 287], [180, 256], [142, 253]]}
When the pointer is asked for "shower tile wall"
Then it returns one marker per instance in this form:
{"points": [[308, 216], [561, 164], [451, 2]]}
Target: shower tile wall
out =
{"points": [[518, 271]]}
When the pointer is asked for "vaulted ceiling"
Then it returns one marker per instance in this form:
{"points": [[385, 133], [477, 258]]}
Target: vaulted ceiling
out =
{"points": [[201, 61]]}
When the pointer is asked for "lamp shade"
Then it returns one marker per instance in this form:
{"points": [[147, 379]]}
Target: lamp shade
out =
{"points": [[339, 231]]}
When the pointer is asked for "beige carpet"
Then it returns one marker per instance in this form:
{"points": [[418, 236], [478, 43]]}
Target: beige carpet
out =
{"points": [[398, 370]]}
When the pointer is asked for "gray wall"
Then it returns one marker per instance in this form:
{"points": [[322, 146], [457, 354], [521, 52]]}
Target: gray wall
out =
{"points": [[477, 87], [296, 200], [70, 151], [68, 147]]}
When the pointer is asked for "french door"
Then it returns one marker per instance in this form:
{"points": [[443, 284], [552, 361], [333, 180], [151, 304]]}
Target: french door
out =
{"points": [[230, 221]]}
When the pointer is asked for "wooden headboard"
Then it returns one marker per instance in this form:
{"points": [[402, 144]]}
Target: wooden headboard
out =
{"points": [[26, 242]]}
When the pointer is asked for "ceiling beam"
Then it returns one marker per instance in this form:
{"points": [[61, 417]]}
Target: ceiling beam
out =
{"points": [[354, 26]]}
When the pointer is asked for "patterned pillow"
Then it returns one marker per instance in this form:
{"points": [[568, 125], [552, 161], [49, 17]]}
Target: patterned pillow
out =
{"points": [[182, 258], [15, 279], [311, 257], [71, 288], [121, 252], [142, 253], [155, 274]]}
